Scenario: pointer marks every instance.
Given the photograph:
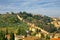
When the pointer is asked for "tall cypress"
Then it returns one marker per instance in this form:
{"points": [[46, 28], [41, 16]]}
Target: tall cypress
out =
{"points": [[12, 37]]}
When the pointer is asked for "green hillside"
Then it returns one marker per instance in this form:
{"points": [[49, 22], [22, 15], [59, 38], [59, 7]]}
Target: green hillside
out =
{"points": [[11, 21]]}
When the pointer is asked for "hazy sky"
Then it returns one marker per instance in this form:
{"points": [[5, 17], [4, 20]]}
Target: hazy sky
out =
{"points": [[44, 7]]}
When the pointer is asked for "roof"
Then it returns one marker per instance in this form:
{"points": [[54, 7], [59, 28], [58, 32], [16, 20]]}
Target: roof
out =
{"points": [[55, 39], [28, 38], [31, 38]]}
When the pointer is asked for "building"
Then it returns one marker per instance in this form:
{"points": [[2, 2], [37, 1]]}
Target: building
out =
{"points": [[26, 38], [54, 35], [7, 36], [19, 37], [55, 39]]}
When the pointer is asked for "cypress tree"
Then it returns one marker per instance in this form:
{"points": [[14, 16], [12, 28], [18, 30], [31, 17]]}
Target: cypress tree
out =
{"points": [[12, 37]]}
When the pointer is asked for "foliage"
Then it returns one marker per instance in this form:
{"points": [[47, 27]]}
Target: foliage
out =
{"points": [[11, 20], [12, 37], [47, 37], [2, 35], [21, 31]]}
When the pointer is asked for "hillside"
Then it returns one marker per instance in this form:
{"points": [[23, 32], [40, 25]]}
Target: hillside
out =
{"points": [[43, 22], [11, 21]]}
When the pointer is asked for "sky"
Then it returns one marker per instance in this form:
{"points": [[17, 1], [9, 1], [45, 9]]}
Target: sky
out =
{"points": [[44, 7]]}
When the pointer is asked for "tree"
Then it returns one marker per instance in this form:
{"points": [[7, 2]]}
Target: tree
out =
{"points": [[12, 37], [30, 19], [20, 12], [21, 31], [37, 17], [52, 28], [6, 39], [42, 36], [47, 37], [7, 12], [2, 35], [12, 12], [6, 31], [24, 12], [38, 30], [30, 15]]}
